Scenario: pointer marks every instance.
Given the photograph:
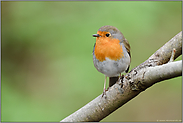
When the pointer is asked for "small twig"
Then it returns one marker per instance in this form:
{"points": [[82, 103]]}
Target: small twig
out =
{"points": [[173, 55]]}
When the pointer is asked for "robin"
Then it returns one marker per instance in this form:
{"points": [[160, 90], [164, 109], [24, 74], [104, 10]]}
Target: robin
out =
{"points": [[111, 54]]}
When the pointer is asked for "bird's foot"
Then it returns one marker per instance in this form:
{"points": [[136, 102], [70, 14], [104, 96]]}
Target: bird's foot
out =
{"points": [[104, 93], [121, 80]]}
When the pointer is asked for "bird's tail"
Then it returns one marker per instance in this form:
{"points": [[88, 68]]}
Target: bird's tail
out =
{"points": [[112, 81]]}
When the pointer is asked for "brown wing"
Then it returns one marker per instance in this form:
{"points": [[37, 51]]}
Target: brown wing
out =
{"points": [[127, 46]]}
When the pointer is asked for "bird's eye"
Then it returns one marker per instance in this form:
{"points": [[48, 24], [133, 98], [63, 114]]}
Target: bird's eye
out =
{"points": [[107, 35]]}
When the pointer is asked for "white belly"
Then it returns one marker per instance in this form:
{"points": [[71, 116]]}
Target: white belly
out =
{"points": [[112, 68]]}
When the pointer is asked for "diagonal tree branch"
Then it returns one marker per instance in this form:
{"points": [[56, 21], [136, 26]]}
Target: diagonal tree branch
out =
{"points": [[153, 70]]}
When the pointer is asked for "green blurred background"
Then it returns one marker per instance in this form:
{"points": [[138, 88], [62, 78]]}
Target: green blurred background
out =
{"points": [[47, 67]]}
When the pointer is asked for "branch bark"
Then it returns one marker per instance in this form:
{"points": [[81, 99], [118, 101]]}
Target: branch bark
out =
{"points": [[153, 70]]}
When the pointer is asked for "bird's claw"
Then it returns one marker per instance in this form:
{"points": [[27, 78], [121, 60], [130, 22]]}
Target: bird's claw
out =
{"points": [[104, 93], [121, 80]]}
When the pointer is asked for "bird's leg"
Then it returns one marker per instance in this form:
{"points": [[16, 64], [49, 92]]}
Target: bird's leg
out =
{"points": [[104, 92], [119, 77], [121, 82]]}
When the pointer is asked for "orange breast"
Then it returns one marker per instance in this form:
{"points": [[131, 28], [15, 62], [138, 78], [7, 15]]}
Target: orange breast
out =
{"points": [[107, 47]]}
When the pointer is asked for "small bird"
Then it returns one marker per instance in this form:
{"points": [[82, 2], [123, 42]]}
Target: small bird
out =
{"points": [[111, 54]]}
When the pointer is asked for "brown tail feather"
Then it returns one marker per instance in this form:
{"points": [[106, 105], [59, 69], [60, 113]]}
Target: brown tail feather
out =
{"points": [[112, 81]]}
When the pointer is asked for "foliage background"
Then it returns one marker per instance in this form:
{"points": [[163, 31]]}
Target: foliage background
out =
{"points": [[47, 67]]}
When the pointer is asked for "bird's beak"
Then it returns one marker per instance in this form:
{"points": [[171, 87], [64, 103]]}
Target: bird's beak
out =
{"points": [[96, 35]]}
